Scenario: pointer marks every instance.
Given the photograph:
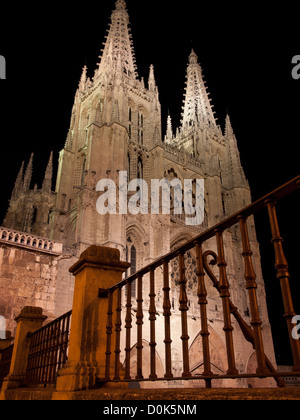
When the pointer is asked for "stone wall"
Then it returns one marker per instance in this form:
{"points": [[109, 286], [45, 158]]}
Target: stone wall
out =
{"points": [[28, 277]]}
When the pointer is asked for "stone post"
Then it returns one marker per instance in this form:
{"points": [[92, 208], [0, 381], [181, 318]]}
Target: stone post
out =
{"points": [[28, 321], [98, 268]]}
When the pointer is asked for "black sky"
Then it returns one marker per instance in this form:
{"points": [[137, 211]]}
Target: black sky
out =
{"points": [[245, 51]]}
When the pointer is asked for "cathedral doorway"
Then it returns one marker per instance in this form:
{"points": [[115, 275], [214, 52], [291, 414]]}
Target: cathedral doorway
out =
{"points": [[217, 358], [146, 365]]}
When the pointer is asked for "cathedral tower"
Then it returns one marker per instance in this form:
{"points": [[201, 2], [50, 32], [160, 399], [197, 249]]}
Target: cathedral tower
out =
{"points": [[29, 209], [115, 126], [113, 114]]}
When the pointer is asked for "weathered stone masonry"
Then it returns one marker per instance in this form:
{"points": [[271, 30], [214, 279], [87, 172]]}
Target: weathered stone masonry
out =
{"points": [[29, 275]]}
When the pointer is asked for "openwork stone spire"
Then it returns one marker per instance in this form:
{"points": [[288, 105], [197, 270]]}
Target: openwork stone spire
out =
{"points": [[19, 182], [235, 167], [151, 80], [48, 174], [120, 4], [118, 48], [197, 109], [28, 174], [83, 79], [228, 128], [169, 135]]}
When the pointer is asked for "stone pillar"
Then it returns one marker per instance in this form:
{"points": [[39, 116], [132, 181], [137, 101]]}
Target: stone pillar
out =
{"points": [[28, 321], [97, 268]]}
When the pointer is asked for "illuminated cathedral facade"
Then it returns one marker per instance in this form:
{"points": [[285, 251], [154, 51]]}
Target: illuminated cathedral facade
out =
{"points": [[116, 126]]}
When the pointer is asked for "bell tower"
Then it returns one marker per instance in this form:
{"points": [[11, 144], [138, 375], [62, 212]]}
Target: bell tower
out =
{"points": [[114, 118]]}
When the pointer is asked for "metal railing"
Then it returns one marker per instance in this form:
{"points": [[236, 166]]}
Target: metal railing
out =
{"points": [[5, 359], [48, 351], [252, 333]]}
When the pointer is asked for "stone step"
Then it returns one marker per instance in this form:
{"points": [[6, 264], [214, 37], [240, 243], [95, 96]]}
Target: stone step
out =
{"points": [[189, 394]]}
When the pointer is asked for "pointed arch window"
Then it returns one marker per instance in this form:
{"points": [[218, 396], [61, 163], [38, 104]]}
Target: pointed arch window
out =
{"points": [[129, 123], [140, 168], [131, 256], [133, 260], [141, 128], [133, 269]]}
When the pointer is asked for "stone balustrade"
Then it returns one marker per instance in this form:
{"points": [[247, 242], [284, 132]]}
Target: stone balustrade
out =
{"points": [[29, 241]]}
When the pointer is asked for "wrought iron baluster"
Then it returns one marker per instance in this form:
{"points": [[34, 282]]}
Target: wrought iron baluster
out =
{"points": [[128, 326], [49, 352], [109, 328], [46, 375], [283, 275], [118, 329], [43, 355], [202, 301], [183, 307], [55, 353], [63, 341], [225, 295], [251, 286], [62, 327], [152, 319], [31, 359], [139, 323], [245, 328], [66, 338], [167, 316], [40, 356]]}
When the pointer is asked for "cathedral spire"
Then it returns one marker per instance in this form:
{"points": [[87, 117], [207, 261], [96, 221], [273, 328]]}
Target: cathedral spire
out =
{"points": [[47, 183], [197, 109], [151, 80], [118, 44], [169, 135], [28, 174], [228, 127], [19, 182], [238, 177], [83, 79]]}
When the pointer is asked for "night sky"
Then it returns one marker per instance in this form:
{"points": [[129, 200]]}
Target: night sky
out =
{"points": [[246, 55]]}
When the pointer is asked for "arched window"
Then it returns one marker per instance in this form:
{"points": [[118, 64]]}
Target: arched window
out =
{"points": [[140, 168], [133, 260], [141, 128], [131, 256], [133, 269]]}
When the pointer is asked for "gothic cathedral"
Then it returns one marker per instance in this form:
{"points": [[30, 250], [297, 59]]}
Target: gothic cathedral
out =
{"points": [[116, 126]]}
